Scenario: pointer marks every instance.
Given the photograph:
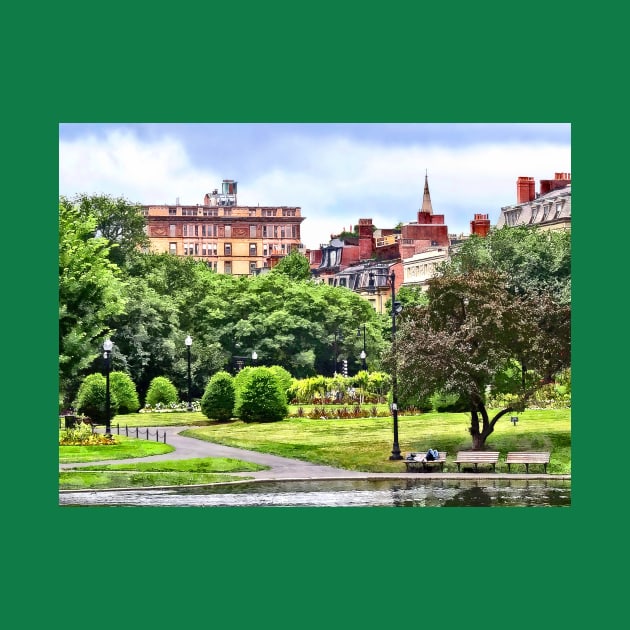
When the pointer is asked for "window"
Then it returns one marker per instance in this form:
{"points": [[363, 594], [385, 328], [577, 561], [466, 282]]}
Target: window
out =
{"points": [[252, 231], [196, 230], [227, 212], [227, 249], [288, 213], [252, 266], [210, 212], [209, 229], [252, 212], [172, 248], [189, 212], [171, 229], [172, 211], [269, 213], [227, 267], [228, 231], [253, 250]]}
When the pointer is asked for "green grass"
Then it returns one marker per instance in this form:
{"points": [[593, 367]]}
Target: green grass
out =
{"points": [[123, 449], [365, 444], [148, 474]]}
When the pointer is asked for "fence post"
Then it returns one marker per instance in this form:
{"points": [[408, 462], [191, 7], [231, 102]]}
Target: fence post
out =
{"points": [[147, 433], [126, 430], [136, 431], [164, 437], [118, 429]]}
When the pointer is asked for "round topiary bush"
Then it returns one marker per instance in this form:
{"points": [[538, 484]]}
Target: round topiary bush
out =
{"points": [[121, 384], [261, 397], [284, 378], [161, 391], [92, 399], [217, 402]]}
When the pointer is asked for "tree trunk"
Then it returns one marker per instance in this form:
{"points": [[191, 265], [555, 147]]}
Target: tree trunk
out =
{"points": [[478, 434]]}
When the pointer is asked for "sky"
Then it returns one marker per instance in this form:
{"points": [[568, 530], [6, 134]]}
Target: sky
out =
{"points": [[337, 173]]}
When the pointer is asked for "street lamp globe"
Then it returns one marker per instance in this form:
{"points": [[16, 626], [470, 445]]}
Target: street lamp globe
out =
{"points": [[188, 341], [254, 355]]}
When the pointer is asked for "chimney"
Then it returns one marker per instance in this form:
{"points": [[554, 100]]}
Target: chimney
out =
{"points": [[560, 180], [480, 225], [525, 189], [365, 239]]}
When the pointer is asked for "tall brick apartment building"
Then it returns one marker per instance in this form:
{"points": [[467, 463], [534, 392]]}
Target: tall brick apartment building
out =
{"points": [[231, 239]]}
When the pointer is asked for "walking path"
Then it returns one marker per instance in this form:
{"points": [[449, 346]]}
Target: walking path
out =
{"points": [[285, 468]]}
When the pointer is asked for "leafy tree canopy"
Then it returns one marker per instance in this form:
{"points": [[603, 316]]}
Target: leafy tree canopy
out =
{"points": [[472, 330]]}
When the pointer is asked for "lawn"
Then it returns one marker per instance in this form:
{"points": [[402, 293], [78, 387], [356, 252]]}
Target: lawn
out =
{"points": [[365, 444], [123, 448]]}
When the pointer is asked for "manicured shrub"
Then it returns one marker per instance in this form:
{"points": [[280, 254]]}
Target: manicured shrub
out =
{"points": [[126, 393], [284, 378], [92, 398], [161, 390], [217, 402], [261, 398]]}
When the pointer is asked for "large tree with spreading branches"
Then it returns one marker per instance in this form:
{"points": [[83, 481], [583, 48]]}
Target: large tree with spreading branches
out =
{"points": [[474, 333]]}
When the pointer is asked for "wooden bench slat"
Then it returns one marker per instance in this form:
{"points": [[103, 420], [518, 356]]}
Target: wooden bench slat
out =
{"points": [[477, 457], [527, 458]]}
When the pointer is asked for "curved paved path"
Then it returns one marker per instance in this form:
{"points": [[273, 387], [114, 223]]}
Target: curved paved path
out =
{"points": [[283, 467]]}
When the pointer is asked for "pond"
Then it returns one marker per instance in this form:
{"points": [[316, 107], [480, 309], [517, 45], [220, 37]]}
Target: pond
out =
{"points": [[341, 493]]}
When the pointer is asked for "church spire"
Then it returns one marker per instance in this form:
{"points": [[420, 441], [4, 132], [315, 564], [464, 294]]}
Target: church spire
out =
{"points": [[426, 198]]}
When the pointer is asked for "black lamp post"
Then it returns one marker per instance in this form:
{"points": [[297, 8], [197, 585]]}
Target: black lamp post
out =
{"points": [[338, 338], [363, 355], [188, 343], [396, 310], [107, 347]]}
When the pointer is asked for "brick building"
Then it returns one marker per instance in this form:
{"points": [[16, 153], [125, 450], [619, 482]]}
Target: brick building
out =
{"points": [[231, 239]]}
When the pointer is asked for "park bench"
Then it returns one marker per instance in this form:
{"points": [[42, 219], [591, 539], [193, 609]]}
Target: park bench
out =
{"points": [[477, 457], [527, 458], [418, 462]]}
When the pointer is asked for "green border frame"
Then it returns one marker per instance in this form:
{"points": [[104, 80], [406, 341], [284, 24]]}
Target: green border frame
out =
{"points": [[393, 63]]}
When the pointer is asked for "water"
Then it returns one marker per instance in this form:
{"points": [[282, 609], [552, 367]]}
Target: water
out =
{"points": [[341, 493]]}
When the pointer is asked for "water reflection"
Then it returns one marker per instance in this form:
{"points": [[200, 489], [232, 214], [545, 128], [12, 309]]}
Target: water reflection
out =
{"points": [[342, 493]]}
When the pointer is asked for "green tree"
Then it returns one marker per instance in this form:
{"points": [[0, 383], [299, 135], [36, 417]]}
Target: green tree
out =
{"points": [[218, 399], [91, 399], [294, 265], [125, 391], [90, 292], [117, 220], [532, 260], [261, 398], [472, 330], [162, 391]]}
